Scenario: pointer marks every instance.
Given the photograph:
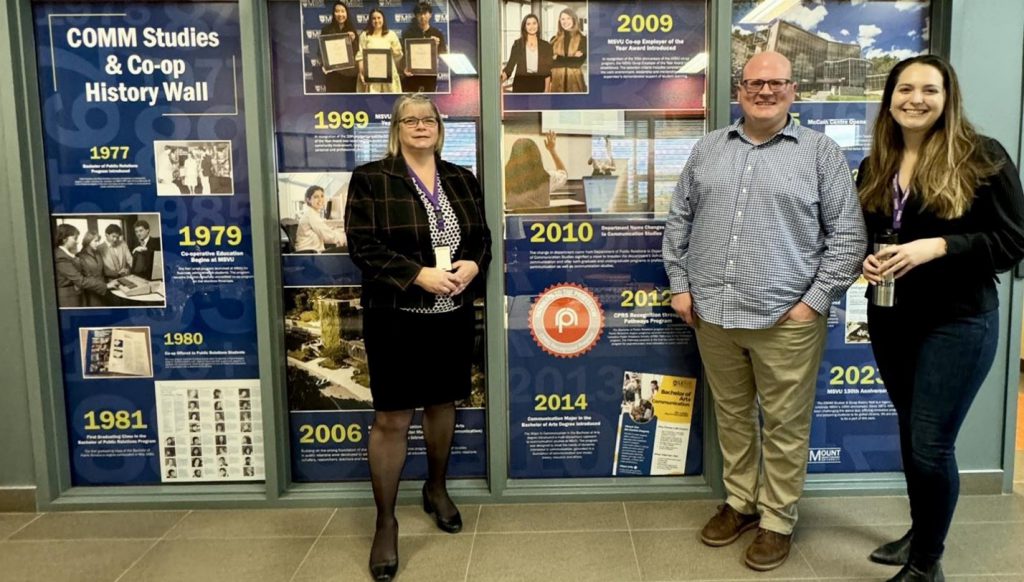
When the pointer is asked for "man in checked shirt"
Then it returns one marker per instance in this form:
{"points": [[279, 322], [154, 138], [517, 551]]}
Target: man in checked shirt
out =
{"points": [[764, 232]]}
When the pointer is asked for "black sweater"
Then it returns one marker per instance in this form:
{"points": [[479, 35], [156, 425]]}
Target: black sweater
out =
{"points": [[987, 239]]}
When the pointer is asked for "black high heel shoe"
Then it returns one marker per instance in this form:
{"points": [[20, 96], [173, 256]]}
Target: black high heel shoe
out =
{"points": [[451, 525], [893, 553], [913, 573], [385, 571]]}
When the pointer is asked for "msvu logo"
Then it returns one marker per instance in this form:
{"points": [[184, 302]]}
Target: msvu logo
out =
{"points": [[829, 455]]}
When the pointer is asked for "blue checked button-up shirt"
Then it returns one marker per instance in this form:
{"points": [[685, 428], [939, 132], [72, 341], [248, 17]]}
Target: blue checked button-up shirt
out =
{"points": [[754, 229]]}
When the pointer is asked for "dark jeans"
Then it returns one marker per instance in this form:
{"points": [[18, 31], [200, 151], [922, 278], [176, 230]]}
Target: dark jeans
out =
{"points": [[932, 371]]}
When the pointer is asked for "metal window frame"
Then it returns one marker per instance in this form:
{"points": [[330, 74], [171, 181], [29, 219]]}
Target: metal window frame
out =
{"points": [[25, 173]]}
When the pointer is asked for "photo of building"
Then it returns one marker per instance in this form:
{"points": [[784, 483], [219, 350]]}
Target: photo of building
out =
{"points": [[844, 66]]}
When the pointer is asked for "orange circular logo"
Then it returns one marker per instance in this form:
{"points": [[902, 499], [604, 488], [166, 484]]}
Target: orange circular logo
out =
{"points": [[566, 320]]}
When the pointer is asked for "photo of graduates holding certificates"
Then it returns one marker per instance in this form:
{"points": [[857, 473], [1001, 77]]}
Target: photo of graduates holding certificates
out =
{"points": [[392, 48]]}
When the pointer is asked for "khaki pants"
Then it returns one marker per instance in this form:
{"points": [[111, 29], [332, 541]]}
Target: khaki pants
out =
{"points": [[776, 368]]}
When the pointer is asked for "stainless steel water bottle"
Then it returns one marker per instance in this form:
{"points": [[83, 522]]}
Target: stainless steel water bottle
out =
{"points": [[883, 294]]}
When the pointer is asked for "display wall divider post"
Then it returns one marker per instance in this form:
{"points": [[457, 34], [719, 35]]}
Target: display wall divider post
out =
{"points": [[26, 179]]}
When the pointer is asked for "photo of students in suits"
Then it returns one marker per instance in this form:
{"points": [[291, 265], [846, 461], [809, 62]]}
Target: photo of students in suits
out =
{"points": [[142, 251], [108, 260]]}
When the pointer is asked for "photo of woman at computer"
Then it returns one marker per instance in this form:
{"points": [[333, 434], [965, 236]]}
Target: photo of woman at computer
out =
{"points": [[98, 266], [311, 207]]}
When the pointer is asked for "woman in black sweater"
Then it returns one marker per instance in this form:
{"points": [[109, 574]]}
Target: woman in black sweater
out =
{"points": [[529, 61], [954, 200], [343, 81]]}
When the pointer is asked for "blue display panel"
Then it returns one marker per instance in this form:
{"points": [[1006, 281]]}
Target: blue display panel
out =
{"points": [[602, 373], [640, 56], [147, 183], [325, 127], [841, 54], [603, 376]]}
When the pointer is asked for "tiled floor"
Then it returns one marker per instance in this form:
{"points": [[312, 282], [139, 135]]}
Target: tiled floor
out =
{"points": [[586, 542]]}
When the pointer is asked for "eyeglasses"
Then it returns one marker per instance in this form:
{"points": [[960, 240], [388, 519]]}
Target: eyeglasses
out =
{"points": [[754, 86], [412, 122]]}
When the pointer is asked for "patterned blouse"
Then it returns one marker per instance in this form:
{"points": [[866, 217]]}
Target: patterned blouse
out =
{"points": [[450, 236]]}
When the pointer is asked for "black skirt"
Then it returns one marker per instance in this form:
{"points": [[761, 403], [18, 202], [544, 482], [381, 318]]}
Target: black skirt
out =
{"points": [[418, 359], [528, 83]]}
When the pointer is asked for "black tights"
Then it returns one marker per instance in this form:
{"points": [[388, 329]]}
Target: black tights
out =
{"points": [[387, 450]]}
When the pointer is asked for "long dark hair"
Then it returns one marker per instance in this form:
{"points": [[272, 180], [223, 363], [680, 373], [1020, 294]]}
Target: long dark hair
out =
{"points": [[383, 22], [951, 163], [522, 26], [348, 26]]}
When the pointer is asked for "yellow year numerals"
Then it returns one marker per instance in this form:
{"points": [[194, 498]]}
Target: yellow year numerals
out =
{"points": [[640, 298], [554, 232], [114, 419], [330, 433], [202, 236], [642, 23], [108, 153], [854, 375], [183, 339], [341, 119], [551, 402]]}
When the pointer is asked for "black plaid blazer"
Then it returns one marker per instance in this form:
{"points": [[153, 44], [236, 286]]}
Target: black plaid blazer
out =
{"points": [[389, 234]]}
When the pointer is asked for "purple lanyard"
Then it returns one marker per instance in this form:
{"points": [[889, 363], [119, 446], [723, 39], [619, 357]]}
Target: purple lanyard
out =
{"points": [[899, 202], [433, 197]]}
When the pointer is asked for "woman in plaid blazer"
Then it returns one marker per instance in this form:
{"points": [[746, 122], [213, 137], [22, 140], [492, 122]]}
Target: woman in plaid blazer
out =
{"points": [[417, 232]]}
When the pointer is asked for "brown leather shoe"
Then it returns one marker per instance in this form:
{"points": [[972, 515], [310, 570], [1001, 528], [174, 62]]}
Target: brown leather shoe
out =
{"points": [[769, 550], [726, 526]]}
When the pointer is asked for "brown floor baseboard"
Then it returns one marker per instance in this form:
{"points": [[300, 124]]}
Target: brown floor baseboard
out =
{"points": [[17, 499]]}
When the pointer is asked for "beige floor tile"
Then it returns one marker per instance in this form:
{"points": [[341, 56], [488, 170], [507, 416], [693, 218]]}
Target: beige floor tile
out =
{"points": [[988, 508], [854, 511], [241, 560], [842, 552], [252, 523], [679, 555], [523, 517], [972, 552], [992, 548], [670, 514], [57, 561], [359, 521], [100, 525], [12, 522], [982, 578], [340, 559], [971, 578], [531, 557], [421, 558]]}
